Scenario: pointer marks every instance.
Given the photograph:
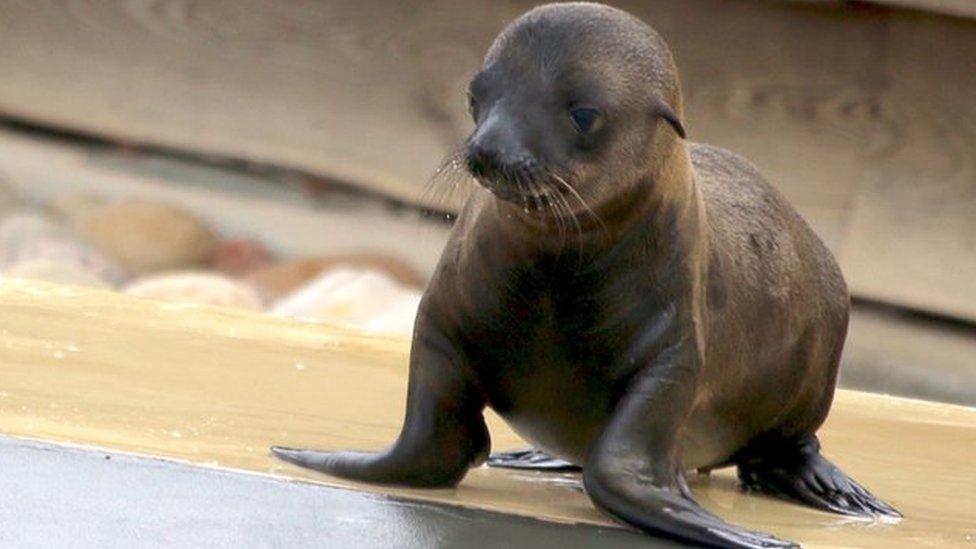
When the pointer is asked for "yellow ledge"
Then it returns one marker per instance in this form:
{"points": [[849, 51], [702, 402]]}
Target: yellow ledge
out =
{"points": [[216, 387]]}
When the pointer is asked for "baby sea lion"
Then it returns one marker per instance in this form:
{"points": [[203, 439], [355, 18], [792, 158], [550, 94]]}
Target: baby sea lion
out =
{"points": [[632, 303]]}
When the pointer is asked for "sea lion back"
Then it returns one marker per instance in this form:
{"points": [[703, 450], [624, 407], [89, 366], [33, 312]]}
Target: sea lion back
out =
{"points": [[761, 237]]}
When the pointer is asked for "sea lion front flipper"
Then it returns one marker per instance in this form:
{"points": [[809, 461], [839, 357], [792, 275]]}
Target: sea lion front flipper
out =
{"points": [[634, 469], [532, 460], [443, 434], [798, 471]]}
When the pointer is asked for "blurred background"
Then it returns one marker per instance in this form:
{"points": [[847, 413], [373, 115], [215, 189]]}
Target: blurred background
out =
{"points": [[278, 156]]}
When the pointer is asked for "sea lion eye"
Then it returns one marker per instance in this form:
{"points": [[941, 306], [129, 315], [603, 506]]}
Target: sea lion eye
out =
{"points": [[584, 119]]}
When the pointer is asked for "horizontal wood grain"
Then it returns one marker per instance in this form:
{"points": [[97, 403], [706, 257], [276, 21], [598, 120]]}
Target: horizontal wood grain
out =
{"points": [[863, 117], [960, 8]]}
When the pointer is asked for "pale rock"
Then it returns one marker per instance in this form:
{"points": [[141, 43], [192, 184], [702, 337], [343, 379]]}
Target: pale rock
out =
{"points": [[357, 298], [198, 288], [147, 237]]}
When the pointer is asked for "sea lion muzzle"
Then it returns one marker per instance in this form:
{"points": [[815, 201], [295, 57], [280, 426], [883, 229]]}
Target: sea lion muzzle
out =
{"points": [[500, 163]]}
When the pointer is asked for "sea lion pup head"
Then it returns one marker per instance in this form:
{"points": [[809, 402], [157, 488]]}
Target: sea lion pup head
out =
{"points": [[569, 106]]}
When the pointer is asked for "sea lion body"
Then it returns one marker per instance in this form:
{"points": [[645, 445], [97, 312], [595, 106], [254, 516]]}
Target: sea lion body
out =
{"points": [[555, 339], [628, 301]]}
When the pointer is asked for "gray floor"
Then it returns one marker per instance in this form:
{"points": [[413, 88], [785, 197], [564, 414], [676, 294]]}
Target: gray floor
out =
{"points": [[54, 496]]}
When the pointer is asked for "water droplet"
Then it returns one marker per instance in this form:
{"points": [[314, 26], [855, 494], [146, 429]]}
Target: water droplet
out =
{"points": [[176, 434], [59, 354], [299, 366]]}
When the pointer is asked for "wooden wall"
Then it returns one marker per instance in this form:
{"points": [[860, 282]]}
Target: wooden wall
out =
{"points": [[959, 8], [862, 114]]}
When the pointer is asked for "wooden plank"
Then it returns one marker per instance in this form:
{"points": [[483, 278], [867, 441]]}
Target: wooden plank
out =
{"points": [[40, 170], [960, 8], [358, 91], [912, 232], [829, 101], [217, 387]]}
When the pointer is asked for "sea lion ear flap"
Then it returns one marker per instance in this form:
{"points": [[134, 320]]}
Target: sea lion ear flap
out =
{"points": [[663, 110]]}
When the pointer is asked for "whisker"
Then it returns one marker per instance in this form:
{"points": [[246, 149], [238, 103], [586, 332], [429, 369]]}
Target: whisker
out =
{"points": [[442, 186], [556, 208], [579, 199], [578, 226], [523, 193], [575, 221], [534, 196], [553, 208]]}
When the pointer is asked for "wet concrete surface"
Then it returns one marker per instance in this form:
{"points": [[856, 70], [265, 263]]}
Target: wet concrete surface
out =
{"points": [[217, 387], [60, 496]]}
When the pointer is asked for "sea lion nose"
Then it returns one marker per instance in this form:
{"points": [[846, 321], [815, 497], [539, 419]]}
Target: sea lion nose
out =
{"points": [[483, 159], [494, 146]]}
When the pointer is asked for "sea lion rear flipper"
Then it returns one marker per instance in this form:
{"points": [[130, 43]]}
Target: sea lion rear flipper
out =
{"points": [[634, 469], [799, 472], [532, 460]]}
